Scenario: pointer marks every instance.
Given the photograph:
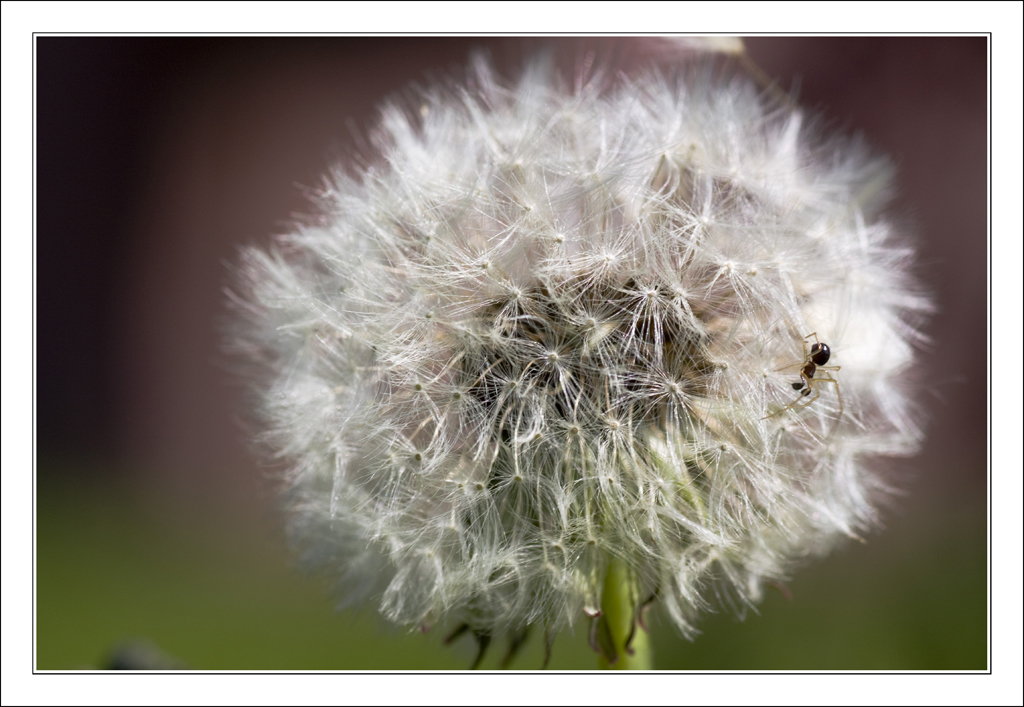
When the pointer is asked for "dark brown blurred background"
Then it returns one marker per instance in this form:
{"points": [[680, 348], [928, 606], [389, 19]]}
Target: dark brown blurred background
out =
{"points": [[157, 157]]}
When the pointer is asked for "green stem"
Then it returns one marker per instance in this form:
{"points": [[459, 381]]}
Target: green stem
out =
{"points": [[619, 605]]}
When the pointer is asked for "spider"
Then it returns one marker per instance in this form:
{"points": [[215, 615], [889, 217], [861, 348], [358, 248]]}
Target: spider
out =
{"points": [[812, 365]]}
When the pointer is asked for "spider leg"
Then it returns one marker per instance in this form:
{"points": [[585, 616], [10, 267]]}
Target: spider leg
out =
{"points": [[779, 412], [839, 416], [810, 397], [809, 387], [839, 395], [806, 355]]}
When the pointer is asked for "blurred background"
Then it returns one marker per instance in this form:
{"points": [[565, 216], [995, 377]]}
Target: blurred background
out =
{"points": [[157, 537]]}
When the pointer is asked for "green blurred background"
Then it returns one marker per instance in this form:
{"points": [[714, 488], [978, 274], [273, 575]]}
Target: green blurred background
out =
{"points": [[218, 593], [157, 157]]}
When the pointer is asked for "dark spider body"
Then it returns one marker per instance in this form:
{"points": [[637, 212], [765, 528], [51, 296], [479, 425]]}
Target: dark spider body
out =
{"points": [[819, 356], [815, 359]]}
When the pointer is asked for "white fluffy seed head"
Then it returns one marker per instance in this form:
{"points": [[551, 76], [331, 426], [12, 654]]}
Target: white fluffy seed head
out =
{"points": [[549, 327]]}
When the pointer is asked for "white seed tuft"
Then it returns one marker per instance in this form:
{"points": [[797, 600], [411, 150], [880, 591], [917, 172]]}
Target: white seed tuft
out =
{"points": [[550, 326]]}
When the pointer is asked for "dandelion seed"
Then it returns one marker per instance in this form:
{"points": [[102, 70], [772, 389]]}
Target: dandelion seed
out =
{"points": [[546, 298]]}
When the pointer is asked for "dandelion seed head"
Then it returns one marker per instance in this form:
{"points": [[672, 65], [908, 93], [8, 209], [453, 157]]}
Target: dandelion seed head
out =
{"points": [[551, 326]]}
